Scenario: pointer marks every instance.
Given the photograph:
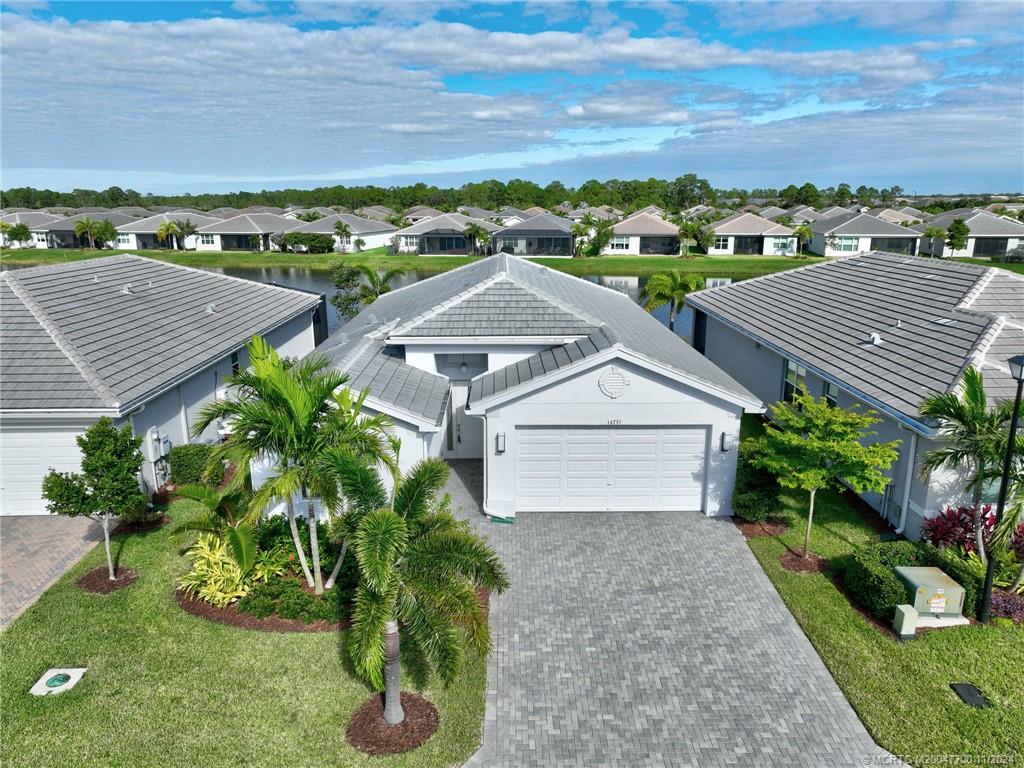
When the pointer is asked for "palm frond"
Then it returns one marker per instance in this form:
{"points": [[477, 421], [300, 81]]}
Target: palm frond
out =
{"points": [[371, 612], [416, 492], [379, 541], [434, 633], [455, 553]]}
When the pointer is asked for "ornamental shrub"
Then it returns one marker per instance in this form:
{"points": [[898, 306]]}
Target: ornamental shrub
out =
{"points": [[313, 242], [287, 598], [190, 464], [756, 493], [870, 578], [954, 527]]}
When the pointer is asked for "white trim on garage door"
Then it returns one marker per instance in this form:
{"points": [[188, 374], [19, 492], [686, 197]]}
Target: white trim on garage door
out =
{"points": [[26, 455], [618, 468]]}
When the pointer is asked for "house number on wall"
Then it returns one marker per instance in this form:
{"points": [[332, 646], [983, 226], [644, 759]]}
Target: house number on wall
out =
{"points": [[614, 421]]}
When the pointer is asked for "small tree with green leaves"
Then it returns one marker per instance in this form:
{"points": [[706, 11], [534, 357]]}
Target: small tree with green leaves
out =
{"points": [[933, 233], [19, 234], [347, 279], [804, 235], [811, 445], [956, 235], [86, 227], [108, 485]]}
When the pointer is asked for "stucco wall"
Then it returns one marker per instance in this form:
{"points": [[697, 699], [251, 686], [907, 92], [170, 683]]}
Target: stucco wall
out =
{"points": [[757, 368]]}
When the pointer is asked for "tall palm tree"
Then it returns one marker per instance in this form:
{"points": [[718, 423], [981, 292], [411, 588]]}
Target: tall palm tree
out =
{"points": [[185, 229], [419, 571], [169, 230], [804, 234], [343, 231], [291, 413], [377, 283], [476, 235], [85, 227], [669, 288], [972, 433]]}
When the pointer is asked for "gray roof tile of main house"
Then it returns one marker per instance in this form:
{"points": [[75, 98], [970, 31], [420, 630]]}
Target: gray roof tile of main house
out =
{"points": [[934, 318], [506, 297], [109, 333], [357, 224], [250, 224]]}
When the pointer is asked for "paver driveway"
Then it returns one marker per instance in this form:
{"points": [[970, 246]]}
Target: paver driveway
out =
{"points": [[649, 639]]}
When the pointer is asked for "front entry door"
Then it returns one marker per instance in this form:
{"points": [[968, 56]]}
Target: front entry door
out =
{"points": [[465, 436]]}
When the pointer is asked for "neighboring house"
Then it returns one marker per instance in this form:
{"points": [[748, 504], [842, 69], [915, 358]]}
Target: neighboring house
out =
{"points": [[36, 221], [991, 236], [133, 210], [476, 213], [839, 331], [894, 215], [643, 234], [835, 210], [373, 233], [420, 213], [600, 214], [141, 234], [913, 212], [696, 212], [800, 214], [378, 212], [748, 233], [143, 342], [240, 232], [440, 235], [772, 212], [321, 210], [541, 235], [572, 396], [854, 233], [508, 216], [535, 210], [224, 213], [61, 232]]}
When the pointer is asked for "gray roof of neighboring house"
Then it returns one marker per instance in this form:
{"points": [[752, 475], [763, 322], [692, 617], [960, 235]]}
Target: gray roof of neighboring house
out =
{"points": [[151, 224], [509, 212], [497, 296], [110, 333], [380, 212], [911, 211], [133, 210], [600, 214], [421, 211], [646, 225], [476, 213], [771, 212], [535, 210], [863, 224], [250, 224], [981, 223], [31, 219], [358, 225], [934, 317], [446, 222], [748, 224], [835, 210], [67, 224], [542, 223]]}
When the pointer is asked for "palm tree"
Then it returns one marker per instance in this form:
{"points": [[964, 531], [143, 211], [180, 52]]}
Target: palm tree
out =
{"points": [[689, 232], [420, 569], [291, 413], [804, 234], [377, 283], [185, 229], [343, 231], [169, 230], [85, 227], [476, 235], [669, 288], [972, 434]]}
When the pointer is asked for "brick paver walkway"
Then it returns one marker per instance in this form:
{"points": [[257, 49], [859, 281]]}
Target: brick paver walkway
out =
{"points": [[35, 551], [650, 639]]}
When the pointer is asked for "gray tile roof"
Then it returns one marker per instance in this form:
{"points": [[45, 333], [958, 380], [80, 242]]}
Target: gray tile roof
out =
{"points": [[862, 224], [31, 219], [358, 225], [476, 213], [379, 212], [542, 224], [67, 224], [112, 332], [447, 222], [772, 212], [834, 210], [250, 224], [151, 224], [748, 224], [646, 225], [980, 222], [934, 318]]}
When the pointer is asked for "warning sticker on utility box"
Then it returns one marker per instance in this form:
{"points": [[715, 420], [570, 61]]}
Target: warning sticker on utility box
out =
{"points": [[937, 602]]}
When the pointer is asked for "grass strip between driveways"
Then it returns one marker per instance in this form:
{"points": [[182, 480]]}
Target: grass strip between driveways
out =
{"points": [[165, 688], [900, 690]]}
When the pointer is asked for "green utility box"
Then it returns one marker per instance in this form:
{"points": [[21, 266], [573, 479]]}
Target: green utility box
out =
{"points": [[932, 592]]}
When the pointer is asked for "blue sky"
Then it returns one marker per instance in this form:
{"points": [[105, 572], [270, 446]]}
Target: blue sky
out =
{"points": [[210, 96]]}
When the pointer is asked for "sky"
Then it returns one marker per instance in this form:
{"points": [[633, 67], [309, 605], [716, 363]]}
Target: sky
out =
{"points": [[171, 97]]}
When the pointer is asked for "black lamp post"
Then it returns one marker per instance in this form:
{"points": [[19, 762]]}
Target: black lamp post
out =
{"points": [[1017, 372]]}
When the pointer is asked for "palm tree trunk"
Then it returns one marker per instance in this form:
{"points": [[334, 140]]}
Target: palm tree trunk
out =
{"points": [[106, 544], [314, 546], [671, 316], [393, 711], [298, 542], [979, 521], [337, 566], [810, 519]]}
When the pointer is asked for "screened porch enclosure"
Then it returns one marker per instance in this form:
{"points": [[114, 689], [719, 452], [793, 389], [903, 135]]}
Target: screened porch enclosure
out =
{"points": [[443, 244], [748, 244], [907, 245], [661, 246], [541, 245]]}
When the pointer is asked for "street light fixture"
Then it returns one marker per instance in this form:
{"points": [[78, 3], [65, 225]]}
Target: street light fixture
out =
{"points": [[1017, 372]]}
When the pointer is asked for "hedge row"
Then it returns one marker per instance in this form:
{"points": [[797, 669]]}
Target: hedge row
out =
{"points": [[190, 464]]}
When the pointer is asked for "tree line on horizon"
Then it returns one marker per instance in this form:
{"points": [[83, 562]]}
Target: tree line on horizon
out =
{"points": [[627, 195]]}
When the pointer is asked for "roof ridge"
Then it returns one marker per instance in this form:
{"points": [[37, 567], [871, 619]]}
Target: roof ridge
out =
{"points": [[975, 290], [976, 356], [571, 309], [448, 303], [474, 263], [85, 370]]}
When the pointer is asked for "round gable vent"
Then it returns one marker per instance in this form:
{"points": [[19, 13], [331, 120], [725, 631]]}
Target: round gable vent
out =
{"points": [[613, 382]]}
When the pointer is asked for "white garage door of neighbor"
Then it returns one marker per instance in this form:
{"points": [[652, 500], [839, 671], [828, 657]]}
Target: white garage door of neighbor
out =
{"points": [[615, 468], [25, 457]]}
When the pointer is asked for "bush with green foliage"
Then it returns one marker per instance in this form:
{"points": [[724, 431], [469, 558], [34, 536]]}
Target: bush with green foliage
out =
{"points": [[288, 599], [190, 465], [870, 579], [756, 493], [312, 242], [217, 577]]}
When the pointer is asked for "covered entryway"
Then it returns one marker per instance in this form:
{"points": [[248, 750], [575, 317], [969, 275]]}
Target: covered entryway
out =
{"points": [[26, 455], [615, 468]]}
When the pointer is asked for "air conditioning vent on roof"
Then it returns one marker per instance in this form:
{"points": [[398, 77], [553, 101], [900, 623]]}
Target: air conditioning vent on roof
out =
{"points": [[127, 289], [211, 308], [874, 339]]}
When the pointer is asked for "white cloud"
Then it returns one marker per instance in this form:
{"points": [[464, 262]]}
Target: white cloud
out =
{"points": [[254, 7]]}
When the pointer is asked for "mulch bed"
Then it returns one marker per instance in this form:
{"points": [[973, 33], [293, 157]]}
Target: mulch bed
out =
{"points": [[754, 530], [98, 580], [1008, 605], [141, 526], [236, 618], [369, 732], [797, 563]]}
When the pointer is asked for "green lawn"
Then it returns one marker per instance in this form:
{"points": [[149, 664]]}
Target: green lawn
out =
{"points": [[900, 690], [166, 688], [1018, 268]]}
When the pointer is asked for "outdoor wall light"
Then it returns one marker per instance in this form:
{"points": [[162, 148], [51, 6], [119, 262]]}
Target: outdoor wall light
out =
{"points": [[499, 442], [726, 443]]}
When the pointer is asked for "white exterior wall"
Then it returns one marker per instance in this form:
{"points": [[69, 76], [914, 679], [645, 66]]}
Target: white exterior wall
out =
{"points": [[373, 240], [938, 247], [713, 251], [632, 250], [779, 246], [498, 355], [820, 244], [649, 400], [214, 246]]}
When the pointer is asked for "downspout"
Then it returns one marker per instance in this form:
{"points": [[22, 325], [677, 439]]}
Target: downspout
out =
{"points": [[911, 462]]}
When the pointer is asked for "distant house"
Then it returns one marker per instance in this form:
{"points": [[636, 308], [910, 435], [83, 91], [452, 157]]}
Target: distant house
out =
{"points": [[320, 210], [143, 342], [245, 232], [859, 233], [508, 215], [878, 330], [535, 210], [772, 212], [799, 214], [379, 212], [440, 235], [543, 234], [60, 233], [748, 233], [36, 222], [601, 214], [418, 213], [373, 233], [991, 236], [696, 212], [895, 215], [141, 234], [835, 210], [476, 213], [133, 210], [643, 234]]}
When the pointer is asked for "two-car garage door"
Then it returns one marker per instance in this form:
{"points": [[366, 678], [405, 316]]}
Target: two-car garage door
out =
{"points": [[620, 468]]}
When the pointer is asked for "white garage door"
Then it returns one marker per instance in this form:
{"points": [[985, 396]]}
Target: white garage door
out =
{"points": [[615, 468], [26, 455]]}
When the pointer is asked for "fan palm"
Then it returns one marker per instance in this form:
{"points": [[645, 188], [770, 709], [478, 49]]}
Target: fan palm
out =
{"points": [[343, 231], [85, 227], [972, 432], [291, 413], [419, 571], [377, 283], [669, 288], [169, 230]]}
